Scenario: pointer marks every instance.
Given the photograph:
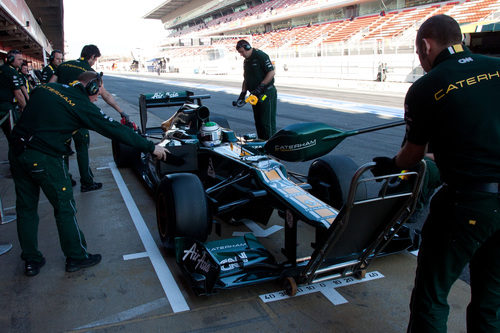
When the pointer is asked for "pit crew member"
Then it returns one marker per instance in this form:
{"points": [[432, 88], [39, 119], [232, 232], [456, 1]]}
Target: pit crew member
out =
{"points": [[38, 145], [454, 107], [259, 80]]}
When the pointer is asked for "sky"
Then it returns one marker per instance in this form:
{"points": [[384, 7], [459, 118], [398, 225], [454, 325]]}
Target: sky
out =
{"points": [[115, 26]]}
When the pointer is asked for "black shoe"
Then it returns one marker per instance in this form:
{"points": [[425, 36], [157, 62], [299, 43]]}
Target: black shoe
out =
{"points": [[32, 268], [73, 182], [91, 187], [73, 265]]}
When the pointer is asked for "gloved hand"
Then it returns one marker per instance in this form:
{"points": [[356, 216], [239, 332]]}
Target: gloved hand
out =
{"points": [[124, 115], [128, 123], [259, 90], [385, 166], [241, 99]]}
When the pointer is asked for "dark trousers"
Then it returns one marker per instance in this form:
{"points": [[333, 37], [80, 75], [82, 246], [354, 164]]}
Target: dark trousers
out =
{"points": [[463, 227], [264, 113], [82, 141], [33, 170]]}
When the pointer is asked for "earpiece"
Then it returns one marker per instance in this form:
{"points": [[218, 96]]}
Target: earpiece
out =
{"points": [[11, 56], [243, 44]]}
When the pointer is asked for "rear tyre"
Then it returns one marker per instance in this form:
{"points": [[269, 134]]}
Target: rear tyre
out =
{"points": [[330, 177], [181, 209], [124, 155]]}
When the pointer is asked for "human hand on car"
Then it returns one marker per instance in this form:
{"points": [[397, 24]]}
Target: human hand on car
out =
{"points": [[160, 152]]}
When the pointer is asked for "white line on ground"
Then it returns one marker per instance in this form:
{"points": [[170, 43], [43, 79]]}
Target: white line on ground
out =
{"points": [[128, 314], [166, 278], [135, 256], [102, 168], [327, 288]]}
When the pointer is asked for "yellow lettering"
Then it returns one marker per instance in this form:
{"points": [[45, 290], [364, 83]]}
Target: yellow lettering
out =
{"points": [[451, 87], [439, 95], [460, 83], [471, 81], [482, 77], [494, 74]]}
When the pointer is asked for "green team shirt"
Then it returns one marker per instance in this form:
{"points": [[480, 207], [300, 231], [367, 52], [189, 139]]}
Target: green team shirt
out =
{"points": [[47, 73], [255, 69], [10, 80], [55, 111], [455, 108], [69, 71]]}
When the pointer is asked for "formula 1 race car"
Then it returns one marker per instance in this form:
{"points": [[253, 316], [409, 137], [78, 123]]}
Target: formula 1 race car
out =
{"points": [[213, 176]]}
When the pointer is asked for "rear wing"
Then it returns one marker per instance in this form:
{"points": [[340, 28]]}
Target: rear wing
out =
{"points": [[165, 99]]}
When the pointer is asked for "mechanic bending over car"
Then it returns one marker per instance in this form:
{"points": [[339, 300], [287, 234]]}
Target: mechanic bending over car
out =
{"points": [[258, 78], [36, 154], [66, 73], [11, 91], [454, 107]]}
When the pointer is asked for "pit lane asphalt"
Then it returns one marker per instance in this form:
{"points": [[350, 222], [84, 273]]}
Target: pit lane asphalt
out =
{"points": [[127, 295]]}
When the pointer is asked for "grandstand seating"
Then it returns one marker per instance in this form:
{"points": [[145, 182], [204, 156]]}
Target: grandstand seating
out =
{"points": [[387, 25]]}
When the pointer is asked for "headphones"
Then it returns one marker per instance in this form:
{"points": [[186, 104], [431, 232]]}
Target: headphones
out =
{"points": [[244, 44], [53, 55], [11, 56], [92, 87]]}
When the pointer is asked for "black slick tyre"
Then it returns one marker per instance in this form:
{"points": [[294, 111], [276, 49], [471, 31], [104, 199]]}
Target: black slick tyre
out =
{"points": [[181, 209], [330, 177]]}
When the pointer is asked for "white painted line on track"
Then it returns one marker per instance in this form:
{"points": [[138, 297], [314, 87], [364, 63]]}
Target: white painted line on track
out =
{"points": [[103, 168], [128, 314], [327, 288], [172, 291], [135, 256]]}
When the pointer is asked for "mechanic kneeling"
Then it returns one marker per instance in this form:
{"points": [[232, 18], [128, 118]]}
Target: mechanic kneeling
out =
{"points": [[36, 155]]}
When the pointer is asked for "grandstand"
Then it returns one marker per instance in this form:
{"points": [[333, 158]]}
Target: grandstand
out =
{"points": [[370, 33]]}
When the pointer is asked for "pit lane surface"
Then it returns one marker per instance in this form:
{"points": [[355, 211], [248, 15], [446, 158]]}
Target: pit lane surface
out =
{"points": [[126, 291]]}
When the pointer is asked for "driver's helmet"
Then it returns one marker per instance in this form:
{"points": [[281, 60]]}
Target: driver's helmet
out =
{"points": [[210, 134]]}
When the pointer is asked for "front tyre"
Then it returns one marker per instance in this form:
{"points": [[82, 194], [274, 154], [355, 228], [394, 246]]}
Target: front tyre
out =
{"points": [[330, 177], [181, 209]]}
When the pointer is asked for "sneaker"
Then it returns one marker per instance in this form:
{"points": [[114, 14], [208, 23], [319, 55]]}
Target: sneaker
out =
{"points": [[73, 265], [32, 268], [91, 187]]}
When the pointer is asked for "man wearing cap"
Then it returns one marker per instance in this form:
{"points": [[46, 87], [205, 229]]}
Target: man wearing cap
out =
{"points": [[36, 152], [11, 91], [259, 80]]}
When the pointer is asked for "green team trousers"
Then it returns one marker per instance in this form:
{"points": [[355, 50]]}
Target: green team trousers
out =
{"points": [[32, 170], [264, 114], [463, 227], [82, 141]]}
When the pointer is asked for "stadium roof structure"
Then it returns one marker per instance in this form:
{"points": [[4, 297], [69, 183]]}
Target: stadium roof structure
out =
{"points": [[165, 8]]}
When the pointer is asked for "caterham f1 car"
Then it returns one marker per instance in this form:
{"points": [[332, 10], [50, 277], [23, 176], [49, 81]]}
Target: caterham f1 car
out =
{"points": [[212, 177]]}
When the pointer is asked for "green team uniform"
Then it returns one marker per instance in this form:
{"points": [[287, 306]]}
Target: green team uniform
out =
{"points": [[36, 155], [255, 69], [47, 73], [454, 108], [66, 73], [10, 81]]}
